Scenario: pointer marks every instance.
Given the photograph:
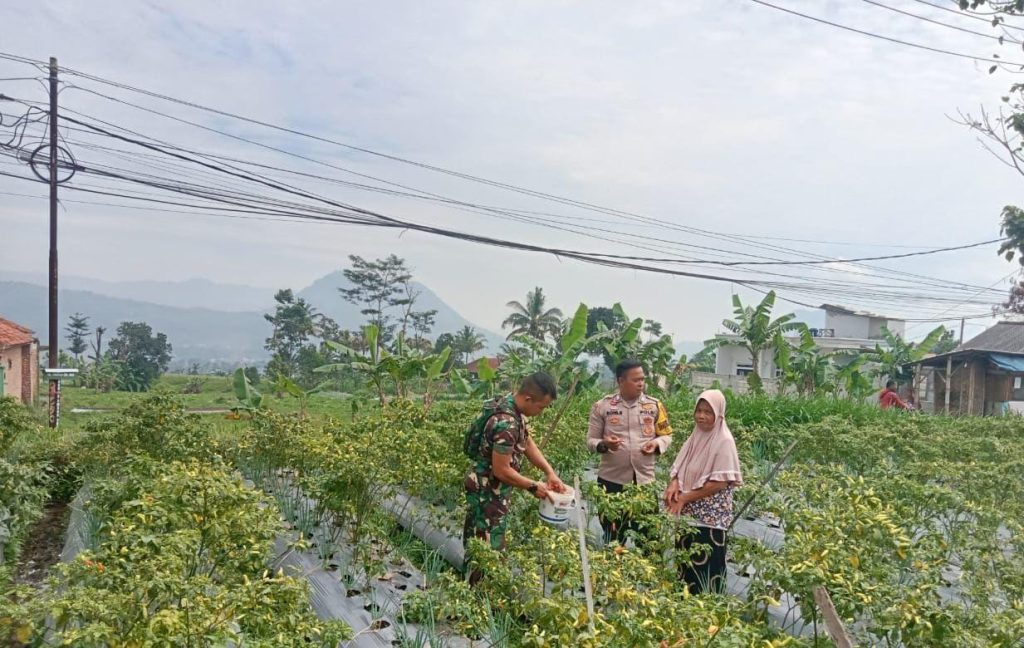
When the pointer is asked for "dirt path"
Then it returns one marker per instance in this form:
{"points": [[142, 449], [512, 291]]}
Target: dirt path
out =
{"points": [[43, 546]]}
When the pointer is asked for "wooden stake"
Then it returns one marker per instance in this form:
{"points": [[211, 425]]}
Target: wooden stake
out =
{"points": [[581, 515], [833, 623]]}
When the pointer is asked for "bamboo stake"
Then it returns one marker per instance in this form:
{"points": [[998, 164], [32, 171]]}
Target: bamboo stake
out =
{"points": [[581, 515]]}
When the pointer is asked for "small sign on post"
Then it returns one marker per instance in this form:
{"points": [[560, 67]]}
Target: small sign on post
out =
{"points": [[55, 376]]}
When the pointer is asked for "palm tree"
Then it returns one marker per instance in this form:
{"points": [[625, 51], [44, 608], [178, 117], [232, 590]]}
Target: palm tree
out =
{"points": [[466, 342], [756, 330], [532, 319]]}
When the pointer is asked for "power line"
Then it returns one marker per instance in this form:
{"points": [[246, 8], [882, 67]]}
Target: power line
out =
{"points": [[862, 32], [968, 14], [1000, 39], [580, 204]]}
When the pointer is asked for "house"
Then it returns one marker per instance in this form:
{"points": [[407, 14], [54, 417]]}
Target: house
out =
{"points": [[845, 330], [474, 367], [982, 376], [19, 362]]}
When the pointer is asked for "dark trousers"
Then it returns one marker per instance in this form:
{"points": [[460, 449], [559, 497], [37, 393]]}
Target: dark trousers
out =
{"points": [[615, 529], [705, 571]]}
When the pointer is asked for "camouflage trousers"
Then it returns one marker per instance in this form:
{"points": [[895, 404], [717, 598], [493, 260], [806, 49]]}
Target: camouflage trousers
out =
{"points": [[486, 510]]}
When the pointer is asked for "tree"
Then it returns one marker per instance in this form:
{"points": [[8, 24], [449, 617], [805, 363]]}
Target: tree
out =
{"points": [[142, 356], [1004, 131], [803, 364], [756, 330], [467, 342], [610, 317], [946, 343], [894, 360], [294, 322], [704, 360], [652, 328], [97, 346], [533, 319], [447, 341], [77, 329], [377, 286]]}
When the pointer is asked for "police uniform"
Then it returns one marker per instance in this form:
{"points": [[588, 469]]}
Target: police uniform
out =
{"points": [[635, 423]]}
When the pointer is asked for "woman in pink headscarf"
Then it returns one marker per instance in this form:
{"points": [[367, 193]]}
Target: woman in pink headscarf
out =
{"points": [[701, 482]]}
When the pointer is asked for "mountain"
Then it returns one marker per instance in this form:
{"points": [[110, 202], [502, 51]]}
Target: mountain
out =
{"points": [[217, 325], [196, 334], [323, 294], [189, 293]]}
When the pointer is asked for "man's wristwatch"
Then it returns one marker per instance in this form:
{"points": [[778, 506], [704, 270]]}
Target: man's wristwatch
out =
{"points": [[533, 488], [602, 447]]}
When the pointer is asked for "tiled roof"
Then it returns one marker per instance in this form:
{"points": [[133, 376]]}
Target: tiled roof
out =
{"points": [[12, 334], [493, 362], [1005, 337]]}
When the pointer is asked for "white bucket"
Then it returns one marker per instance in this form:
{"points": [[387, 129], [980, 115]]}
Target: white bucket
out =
{"points": [[556, 510]]}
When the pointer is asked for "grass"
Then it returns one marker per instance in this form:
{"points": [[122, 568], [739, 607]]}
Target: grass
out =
{"points": [[216, 393]]}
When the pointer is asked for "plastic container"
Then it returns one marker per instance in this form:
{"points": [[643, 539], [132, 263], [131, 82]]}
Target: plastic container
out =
{"points": [[556, 510]]}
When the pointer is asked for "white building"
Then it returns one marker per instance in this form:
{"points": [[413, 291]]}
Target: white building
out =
{"points": [[844, 330]]}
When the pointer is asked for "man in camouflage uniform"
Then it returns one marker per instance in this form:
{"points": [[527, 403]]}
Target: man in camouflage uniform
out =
{"points": [[629, 429], [496, 443]]}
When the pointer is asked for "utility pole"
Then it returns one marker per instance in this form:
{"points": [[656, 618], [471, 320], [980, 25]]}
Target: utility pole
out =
{"points": [[54, 346], [962, 331]]}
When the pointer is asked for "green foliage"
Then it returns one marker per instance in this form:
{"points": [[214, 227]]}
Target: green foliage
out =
{"points": [[15, 421], [157, 427], [141, 355], [183, 562], [249, 398], [377, 286], [756, 330], [533, 319], [894, 360], [466, 342], [77, 330], [295, 322]]}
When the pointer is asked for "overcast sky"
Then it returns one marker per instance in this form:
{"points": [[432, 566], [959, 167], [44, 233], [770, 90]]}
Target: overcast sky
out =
{"points": [[722, 115]]}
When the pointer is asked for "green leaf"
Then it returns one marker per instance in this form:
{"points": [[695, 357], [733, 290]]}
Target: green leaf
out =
{"points": [[577, 330], [484, 370], [436, 367]]}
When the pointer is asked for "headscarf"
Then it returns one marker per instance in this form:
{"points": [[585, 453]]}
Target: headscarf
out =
{"points": [[708, 456]]}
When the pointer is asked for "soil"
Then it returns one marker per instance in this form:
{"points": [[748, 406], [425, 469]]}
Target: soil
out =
{"points": [[43, 546]]}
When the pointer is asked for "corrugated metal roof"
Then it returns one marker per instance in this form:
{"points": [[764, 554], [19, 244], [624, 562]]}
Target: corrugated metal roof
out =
{"points": [[1004, 337], [12, 334]]}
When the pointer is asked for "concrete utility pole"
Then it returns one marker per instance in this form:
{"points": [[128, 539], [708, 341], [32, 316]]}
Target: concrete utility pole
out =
{"points": [[54, 346]]}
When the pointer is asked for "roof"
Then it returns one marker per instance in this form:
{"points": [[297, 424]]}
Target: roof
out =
{"points": [[12, 334], [843, 310], [1001, 343], [494, 362], [1004, 337]]}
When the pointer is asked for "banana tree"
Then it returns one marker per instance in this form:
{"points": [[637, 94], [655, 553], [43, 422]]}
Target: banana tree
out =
{"points": [[802, 364], [657, 354], [894, 360], [754, 330], [371, 363], [290, 387], [851, 377], [249, 398]]}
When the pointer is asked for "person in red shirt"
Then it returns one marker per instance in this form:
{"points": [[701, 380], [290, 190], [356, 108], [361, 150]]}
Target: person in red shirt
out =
{"points": [[889, 398]]}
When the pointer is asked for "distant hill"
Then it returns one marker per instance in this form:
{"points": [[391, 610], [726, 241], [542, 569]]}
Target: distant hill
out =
{"points": [[196, 334], [324, 295], [206, 322]]}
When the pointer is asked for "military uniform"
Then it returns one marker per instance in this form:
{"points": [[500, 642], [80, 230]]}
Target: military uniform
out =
{"points": [[635, 422], [503, 431]]}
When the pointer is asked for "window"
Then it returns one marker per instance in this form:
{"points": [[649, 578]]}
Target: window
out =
{"points": [[744, 369], [1016, 382]]}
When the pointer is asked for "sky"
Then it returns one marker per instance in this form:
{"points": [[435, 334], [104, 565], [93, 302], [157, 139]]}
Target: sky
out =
{"points": [[727, 116]]}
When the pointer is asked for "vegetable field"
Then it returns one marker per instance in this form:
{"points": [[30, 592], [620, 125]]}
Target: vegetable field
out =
{"points": [[186, 529]]}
